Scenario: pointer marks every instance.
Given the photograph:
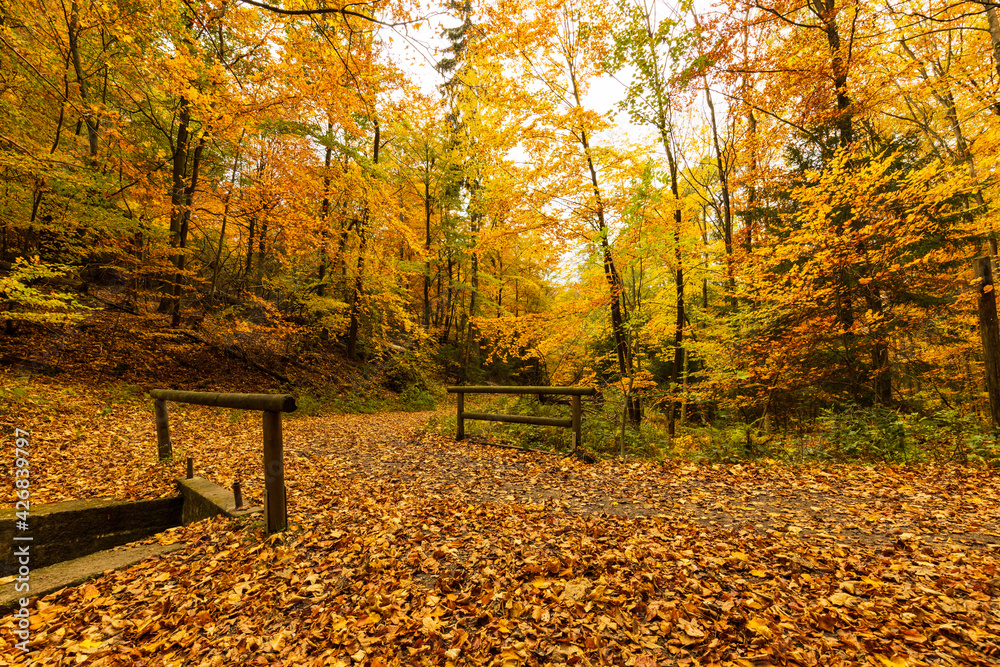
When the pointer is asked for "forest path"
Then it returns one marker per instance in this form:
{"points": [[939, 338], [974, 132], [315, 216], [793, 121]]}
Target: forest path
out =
{"points": [[406, 547], [851, 504]]}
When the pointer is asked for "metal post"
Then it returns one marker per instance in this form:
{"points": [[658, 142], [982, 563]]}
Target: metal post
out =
{"points": [[190, 467], [237, 495], [163, 446], [461, 422], [577, 422], [274, 474]]}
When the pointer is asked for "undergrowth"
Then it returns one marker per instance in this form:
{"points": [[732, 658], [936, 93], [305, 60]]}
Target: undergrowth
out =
{"points": [[600, 429], [852, 434]]}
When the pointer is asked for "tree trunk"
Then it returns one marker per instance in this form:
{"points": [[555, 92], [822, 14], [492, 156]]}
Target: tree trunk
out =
{"points": [[616, 287], [177, 189], [826, 11], [881, 375], [325, 215], [352, 330], [225, 217], [185, 221], [261, 254], [727, 211], [994, 23], [470, 333], [665, 128], [678, 277], [427, 240], [447, 307], [748, 222], [704, 241], [81, 79], [248, 267], [989, 332]]}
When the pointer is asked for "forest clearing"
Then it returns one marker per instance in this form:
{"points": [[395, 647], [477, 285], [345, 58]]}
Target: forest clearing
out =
{"points": [[406, 548], [758, 238]]}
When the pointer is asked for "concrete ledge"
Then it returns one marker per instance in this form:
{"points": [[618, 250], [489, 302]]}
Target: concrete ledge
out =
{"points": [[75, 528], [74, 572], [204, 499]]}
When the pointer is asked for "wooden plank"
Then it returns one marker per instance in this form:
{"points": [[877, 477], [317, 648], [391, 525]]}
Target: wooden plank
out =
{"points": [[565, 391], [518, 419], [163, 446], [263, 402], [577, 422], [274, 473], [460, 435]]}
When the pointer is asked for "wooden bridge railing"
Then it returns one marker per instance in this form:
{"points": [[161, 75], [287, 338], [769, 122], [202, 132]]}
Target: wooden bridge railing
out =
{"points": [[272, 405], [575, 422]]}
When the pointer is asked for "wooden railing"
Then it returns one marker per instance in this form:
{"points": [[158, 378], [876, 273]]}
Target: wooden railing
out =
{"points": [[575, 422], [272, 405]]}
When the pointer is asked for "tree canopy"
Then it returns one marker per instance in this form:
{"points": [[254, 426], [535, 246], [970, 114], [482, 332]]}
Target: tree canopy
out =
{"points": [[782, 210]]}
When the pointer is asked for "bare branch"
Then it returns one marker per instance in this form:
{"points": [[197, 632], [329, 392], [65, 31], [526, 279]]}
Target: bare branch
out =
{"points": [[343, 11]]}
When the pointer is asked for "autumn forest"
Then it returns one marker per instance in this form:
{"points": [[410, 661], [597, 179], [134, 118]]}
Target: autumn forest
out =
{"points": [[760, 212], [758, 236]]}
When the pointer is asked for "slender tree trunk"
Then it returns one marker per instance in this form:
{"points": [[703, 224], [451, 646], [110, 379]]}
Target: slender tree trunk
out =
{"points": [[438, 301], [727, 211], [826, 11], [989, 332], [470, 333], [225, 217], [62, 105], [448, 313], [81, 79], [248, 265], [616, 287], [748, 221], [352, 330], [499, 269], [258, 287], [881, 372], [678, 274], [994, 23], [428, 162], [325, 216], [185, 220], [661, 98], [704, 241], [177, 190]]}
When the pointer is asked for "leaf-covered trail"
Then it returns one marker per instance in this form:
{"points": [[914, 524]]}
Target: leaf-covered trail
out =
{"points": [[853, 504], [410, 549]]}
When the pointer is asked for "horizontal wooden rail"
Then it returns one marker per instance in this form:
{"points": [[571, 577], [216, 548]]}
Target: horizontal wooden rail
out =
{"points": [[518, 419], [272, 405], [566, 391], [575, 422], [263, 402]]}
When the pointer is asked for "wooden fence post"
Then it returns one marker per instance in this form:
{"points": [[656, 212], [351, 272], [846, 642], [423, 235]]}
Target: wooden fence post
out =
{"points": [[271, 405], [577, 421], [275, 508], [163, 445]]}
